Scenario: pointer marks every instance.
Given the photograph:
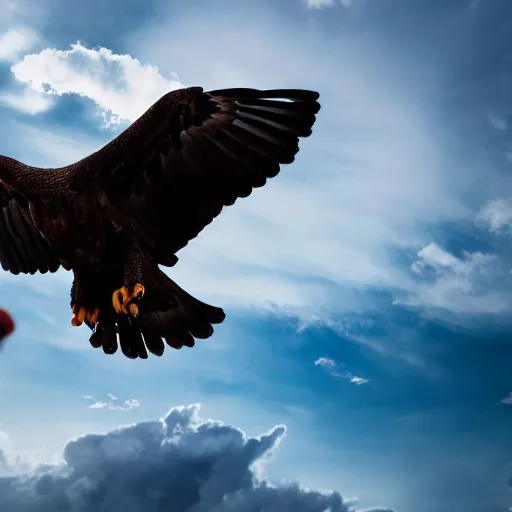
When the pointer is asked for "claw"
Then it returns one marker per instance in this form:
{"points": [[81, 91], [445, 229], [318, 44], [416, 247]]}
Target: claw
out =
{"points": [[92, 316], [121, 299], [80, 314]]}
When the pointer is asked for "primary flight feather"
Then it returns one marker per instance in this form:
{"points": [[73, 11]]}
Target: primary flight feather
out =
{"points": [[115, 216]]}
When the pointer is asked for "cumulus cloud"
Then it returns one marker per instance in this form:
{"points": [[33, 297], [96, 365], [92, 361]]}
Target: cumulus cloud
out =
{"points": [[111, 403], [11, 461], [496, 215], [121, 86], [183, 463], [333, 368]]}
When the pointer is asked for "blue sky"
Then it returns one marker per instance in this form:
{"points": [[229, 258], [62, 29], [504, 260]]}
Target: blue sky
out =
{"points": [[367, 287]]}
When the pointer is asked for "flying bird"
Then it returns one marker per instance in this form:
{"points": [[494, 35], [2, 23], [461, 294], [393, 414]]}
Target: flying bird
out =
{"points": [[117, 216]]}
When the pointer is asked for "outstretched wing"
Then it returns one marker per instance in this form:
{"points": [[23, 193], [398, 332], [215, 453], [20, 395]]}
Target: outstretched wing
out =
{"points": [[22, 247], [192, 153]]}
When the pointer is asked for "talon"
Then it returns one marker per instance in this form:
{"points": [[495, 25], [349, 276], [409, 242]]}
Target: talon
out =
{"points": [[92, 316], [79, 315], [121, 299], [138, 291]]}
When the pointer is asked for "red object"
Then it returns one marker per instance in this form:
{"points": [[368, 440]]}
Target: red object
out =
{"points": [[6, 324]]}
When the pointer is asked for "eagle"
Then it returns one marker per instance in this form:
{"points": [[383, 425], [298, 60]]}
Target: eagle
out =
{"points": [[116, 217]]}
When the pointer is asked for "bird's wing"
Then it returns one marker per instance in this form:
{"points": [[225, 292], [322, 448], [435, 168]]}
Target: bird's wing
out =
{"points": [[23, 249], [192, 153]]}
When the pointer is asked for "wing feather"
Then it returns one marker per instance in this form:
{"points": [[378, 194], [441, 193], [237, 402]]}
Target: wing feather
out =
{"points": [[193, 153], [23, 249]]}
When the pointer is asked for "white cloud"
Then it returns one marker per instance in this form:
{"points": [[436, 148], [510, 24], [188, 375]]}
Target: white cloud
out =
{"points": [[27, 101], [460, 285], [320, 4], [496, 215], [507, 400], [112, 403], [98, 405], [15, 42], [325, 362], [12, 461], [333, 368], [358, 380], [121, 86], [440, 260], [181, 463]]}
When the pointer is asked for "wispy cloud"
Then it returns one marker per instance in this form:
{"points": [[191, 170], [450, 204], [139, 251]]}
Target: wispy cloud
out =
{"points": [[15, 42], [322, 4], [460, 285], [507, 400], [334, 369], [496, 215], [112, 403], [499, 122]]}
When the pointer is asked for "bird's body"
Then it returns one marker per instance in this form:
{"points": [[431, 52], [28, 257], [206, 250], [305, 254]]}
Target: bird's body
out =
{"points": [[114, 217]]}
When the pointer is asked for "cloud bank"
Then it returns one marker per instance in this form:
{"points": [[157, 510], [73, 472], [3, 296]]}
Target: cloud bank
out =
{"points": [[183, 463]]}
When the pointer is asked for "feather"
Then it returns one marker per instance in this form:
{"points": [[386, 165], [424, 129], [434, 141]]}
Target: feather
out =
{"points": [[108, 338], [193, 153], [154, 343]]}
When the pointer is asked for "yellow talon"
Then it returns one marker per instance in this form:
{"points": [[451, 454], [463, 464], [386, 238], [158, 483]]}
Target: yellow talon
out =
{"points": [[81, 314], [121, 299], [92, 316], [133, 309], [78, 316]]}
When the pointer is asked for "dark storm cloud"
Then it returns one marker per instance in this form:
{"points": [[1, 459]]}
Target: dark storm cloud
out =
{"points": [[180, 464]]}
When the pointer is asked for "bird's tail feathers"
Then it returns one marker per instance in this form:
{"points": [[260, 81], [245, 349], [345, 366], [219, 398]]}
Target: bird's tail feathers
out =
{"points": [[167, 314], [177, 316]]}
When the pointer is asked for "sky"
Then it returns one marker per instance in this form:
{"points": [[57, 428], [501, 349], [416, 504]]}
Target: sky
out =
{"points": [[364, 364]]}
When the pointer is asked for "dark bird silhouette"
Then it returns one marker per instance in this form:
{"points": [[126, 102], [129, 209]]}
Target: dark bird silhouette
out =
{"points": [[115, 216]]}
